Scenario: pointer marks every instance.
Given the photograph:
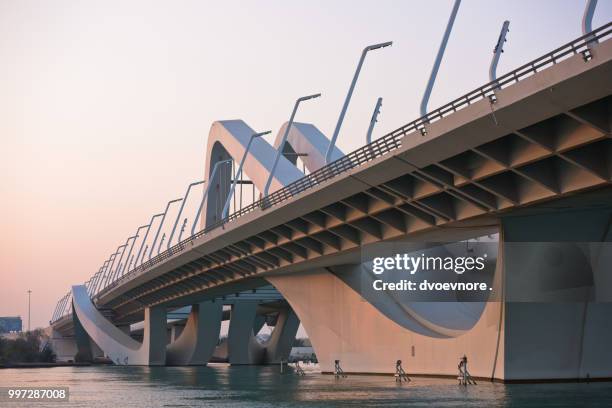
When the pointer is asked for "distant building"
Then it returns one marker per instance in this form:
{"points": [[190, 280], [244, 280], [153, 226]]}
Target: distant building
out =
{"points": [[302, 354], [10, 324]]}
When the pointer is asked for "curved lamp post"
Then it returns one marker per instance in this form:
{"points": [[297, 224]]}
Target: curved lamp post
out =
{"points": [[436, 66], [92, 282], [101, 276], [178, 216], [180, 235], [128, 260], [279, 151], [373, 120], [497, 51], [225, 211], [60, 310], [210, 183], [587, 20], [110, 269], [114, 273], [161, 223], [332, 142], [145, 237]]}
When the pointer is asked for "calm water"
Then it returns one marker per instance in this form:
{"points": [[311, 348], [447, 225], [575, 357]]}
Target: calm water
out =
{"points": [[223, 386]]}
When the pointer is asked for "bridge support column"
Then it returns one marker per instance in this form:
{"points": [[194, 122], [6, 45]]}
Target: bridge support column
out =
{"points": [[281, 341], [64, 347], [154, 335], [196, 344], [242, 347], [175, 332], [558, 294]]}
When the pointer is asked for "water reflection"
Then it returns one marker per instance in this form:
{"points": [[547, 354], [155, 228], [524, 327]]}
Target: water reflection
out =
{"points": [[246, 386]]}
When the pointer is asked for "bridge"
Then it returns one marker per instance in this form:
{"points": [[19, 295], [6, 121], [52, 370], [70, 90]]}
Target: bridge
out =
{"points": [[526, 158]]}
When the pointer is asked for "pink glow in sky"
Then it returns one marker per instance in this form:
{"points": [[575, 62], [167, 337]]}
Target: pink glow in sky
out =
{"points": [[105, 106]]}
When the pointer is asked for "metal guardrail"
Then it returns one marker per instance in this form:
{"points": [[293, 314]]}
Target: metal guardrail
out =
{"points": [[385, 144], [62, 308]]}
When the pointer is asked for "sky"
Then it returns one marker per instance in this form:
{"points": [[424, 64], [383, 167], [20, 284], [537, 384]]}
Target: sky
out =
{"points": [[105, 107]]}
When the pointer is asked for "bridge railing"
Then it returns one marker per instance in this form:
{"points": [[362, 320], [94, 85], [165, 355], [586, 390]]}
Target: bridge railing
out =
{"points": [[62, 308], [384, 144]]}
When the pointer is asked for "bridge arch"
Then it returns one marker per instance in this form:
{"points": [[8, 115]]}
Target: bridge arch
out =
{"points": [[307, 139], [228, 139]]}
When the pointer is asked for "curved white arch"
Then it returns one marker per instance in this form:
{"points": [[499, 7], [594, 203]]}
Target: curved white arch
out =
{"points": [[228, 139], [194, 346], [233, 136], [307, 138], [117, 345]]}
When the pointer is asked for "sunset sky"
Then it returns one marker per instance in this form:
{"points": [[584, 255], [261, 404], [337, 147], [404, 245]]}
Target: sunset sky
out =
{"points": [[105, 106]]}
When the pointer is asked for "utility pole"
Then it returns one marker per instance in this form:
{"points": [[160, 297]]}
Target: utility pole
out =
{"points": [[29, 295]]}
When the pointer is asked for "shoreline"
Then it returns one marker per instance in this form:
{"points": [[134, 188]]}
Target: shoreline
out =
{"points": [[44, 365]]}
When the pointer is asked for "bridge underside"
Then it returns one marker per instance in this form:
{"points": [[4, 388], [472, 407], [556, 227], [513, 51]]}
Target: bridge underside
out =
{"points": [[552, 322]]}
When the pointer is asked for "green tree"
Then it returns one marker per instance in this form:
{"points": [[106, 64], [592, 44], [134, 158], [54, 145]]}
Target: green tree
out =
{"points": [[25, 349]]}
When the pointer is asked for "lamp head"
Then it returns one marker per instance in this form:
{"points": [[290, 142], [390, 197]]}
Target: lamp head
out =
{"points": [[305, 98], [267, 132], [377, 46]]}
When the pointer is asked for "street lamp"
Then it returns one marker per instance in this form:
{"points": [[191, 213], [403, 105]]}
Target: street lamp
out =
{"points": [[225, 210], [58, 309], [120, 266], [281, 146], [373, 120], [110, 270], [145, 237], [332, 142], [127, 260], [210, 183], [62, 308], [499, 48], [161, 223], [587, 20], [67, 304], [180, 235], [92, 282], [438, 60], [178, 216], [29, 293], [161, 243], [54, 313], [100, 276]]}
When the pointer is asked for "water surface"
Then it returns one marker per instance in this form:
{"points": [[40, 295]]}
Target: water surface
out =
{"points": [[244, 386]]}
